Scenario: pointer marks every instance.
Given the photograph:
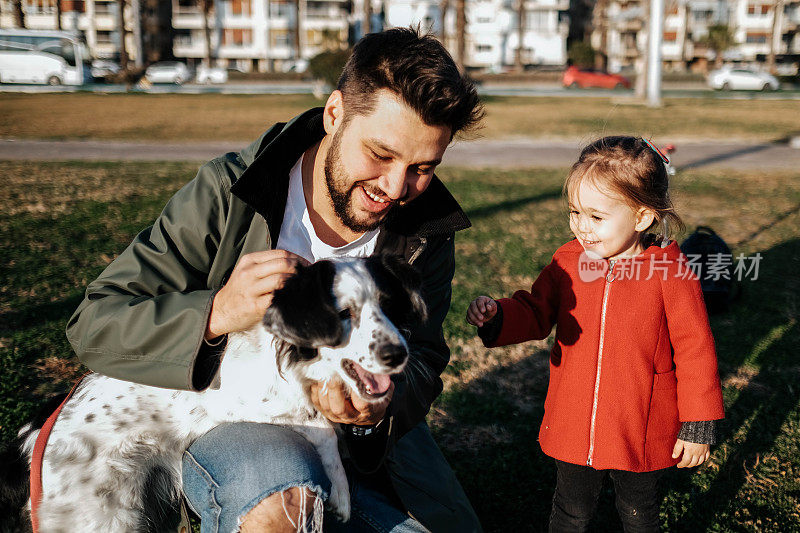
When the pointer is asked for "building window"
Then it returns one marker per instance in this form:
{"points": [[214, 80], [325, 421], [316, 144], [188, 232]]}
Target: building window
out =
{"points": [[237, 37], [537, 20], [240, 8], [756, 38], [670, 36], [483, 48], [68, 6], [280, 9], [105, 37], [183, 37], [280, 38], [104, 8], [39, 7]]}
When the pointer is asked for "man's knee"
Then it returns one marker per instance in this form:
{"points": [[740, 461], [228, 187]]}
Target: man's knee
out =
{"points": [[285, 511], [236, 468]]}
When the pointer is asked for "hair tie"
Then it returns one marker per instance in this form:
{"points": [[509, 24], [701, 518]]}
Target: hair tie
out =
{"points": [[664, 158]]}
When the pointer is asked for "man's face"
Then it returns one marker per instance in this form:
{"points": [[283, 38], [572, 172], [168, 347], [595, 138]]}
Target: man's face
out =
{"points": [[381, 160]]}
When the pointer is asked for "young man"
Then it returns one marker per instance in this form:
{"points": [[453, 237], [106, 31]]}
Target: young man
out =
{"points": [[353, 178]]}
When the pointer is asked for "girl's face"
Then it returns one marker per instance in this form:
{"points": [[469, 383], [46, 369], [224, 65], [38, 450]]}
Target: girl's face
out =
{"points": [[605, 224]]}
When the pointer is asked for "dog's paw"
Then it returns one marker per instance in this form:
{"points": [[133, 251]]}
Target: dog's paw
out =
{"points": [[339, 500]]}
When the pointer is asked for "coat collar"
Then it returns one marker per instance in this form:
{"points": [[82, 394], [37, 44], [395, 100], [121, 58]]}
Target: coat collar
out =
{"points": [[264, 185]]}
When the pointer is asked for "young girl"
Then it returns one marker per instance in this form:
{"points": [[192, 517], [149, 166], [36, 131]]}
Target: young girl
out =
{"points": [[634, 387]]}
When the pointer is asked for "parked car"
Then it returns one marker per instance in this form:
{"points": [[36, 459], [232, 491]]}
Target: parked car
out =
{"points": [[742, 79], [576, 77], [168, 72], [211, 75], [102, 68]]}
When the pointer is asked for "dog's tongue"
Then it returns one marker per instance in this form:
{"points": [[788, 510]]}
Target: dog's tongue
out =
{"points": [[375, 383]]}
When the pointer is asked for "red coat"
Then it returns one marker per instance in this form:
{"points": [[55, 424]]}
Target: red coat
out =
{"points": [[633, 357]]}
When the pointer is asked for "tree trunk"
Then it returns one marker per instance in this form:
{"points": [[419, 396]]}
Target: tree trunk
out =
{"points": [[298, 14], [444, 6], [777, 8], [19, 14], [461, 33], [206, 7], [520, 35], [684, 54], [58, 14], [123, 53], [641, 60], [366, 26]]}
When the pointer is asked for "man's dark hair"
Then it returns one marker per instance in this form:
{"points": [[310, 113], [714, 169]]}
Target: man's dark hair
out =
{"points": [[418, 69]]}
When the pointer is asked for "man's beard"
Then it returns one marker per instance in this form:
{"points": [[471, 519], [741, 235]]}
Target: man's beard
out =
{"points": [[336, 179]]}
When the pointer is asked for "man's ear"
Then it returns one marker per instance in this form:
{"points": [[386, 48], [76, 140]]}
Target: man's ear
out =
{"points": [[644, 219], [332, 115], [303, 311]]}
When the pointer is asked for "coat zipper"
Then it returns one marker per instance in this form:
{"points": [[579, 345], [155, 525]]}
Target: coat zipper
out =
{"points": [[606, 290], [423, 243]]}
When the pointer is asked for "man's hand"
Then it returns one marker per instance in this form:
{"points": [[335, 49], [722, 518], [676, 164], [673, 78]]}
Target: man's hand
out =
{"points": [[245, 297], [333, 400], [481, 310], [693, 454]]}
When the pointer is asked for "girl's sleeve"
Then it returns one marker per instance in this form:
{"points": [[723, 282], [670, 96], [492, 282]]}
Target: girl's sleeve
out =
{"points": [[699, 390], [527, 315]]}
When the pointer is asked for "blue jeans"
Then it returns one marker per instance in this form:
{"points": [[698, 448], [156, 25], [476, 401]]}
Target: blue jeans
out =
{"points": [[233, 467]]}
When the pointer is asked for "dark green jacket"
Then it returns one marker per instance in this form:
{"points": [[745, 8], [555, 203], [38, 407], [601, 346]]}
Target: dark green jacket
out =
{"points": [[144, 318]]}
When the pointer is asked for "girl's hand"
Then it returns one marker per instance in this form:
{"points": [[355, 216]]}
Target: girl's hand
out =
{"points": [[481, 310], [693, 454]]}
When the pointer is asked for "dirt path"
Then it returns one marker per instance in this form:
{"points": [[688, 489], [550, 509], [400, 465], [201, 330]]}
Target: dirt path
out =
{"points": [[483, 153]]}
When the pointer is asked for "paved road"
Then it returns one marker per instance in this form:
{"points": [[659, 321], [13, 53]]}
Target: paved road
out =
{"points": [[675, 90], [482, 153]]}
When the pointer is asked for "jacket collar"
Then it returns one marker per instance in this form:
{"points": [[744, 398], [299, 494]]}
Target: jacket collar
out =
{"points": [[264, 185]]}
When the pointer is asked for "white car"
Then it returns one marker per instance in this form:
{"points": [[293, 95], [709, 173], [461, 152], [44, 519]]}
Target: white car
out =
{"points": [[102, 68], [727, 79], [211, 75], [168, 72]]}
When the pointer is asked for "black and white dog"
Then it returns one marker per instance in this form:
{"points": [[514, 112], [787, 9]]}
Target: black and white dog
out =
{"points": [[113, 458]]}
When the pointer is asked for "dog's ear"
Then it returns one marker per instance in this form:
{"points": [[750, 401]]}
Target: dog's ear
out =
{"points": [[401, 289], [303, 311]]}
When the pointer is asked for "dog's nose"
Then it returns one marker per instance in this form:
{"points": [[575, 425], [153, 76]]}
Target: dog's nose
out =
{"points": [[392, 355]]}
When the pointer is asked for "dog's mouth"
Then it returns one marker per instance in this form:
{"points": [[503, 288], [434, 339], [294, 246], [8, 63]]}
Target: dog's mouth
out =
{"points": [[372, 386]]}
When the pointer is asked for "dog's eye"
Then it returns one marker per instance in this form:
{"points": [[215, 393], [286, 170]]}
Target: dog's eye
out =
{"points": [[345, 314]]}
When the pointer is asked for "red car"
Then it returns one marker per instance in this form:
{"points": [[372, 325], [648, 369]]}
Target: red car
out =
{"points": [[575, 77]]}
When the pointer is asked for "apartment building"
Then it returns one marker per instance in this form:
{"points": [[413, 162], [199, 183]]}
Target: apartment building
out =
{"points": [[621, 35], [259, 35], [492, 29], [98, 21]]}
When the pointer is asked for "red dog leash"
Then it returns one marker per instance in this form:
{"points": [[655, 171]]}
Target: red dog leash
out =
{"points": [[38, 454]]}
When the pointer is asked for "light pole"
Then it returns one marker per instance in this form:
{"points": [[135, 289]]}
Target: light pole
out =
{"points": [[656, 35]]}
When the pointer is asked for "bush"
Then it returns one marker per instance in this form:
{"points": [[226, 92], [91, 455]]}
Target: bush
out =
{"points": [[580, 54], [327, 66]]}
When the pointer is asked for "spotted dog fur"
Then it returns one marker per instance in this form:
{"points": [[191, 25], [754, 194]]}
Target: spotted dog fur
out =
{"points": [[113, 460]]}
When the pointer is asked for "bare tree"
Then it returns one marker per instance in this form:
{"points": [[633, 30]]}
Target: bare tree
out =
{"points": [[777, 11], [297, 28], [58, 13], [123, 53], [207, 7], [367, 25], [19, 14], [461, 33], [444, 7], [520, 35]]}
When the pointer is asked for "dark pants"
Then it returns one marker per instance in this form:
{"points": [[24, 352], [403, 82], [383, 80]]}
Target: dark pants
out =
{"points": [[578, 488]]}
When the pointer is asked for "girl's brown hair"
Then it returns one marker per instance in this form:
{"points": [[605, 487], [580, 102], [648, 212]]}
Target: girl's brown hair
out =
{"points": [[630, 168]]}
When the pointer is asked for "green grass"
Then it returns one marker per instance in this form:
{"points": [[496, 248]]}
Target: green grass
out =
{"points": [[213, 117], [63, 222]]}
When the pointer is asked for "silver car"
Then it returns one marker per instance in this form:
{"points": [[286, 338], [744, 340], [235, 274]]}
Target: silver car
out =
{"points": [[168, 72], [741, 79]]}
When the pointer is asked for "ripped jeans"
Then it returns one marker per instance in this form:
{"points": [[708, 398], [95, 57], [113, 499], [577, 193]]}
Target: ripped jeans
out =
{"points": [[233, 467]]}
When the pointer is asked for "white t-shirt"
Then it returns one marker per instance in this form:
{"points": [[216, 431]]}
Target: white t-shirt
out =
{"points": [[297, 233]]}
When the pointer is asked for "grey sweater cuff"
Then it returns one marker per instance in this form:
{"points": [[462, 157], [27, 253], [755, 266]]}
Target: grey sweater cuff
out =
{"points": [[702, 432]]}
